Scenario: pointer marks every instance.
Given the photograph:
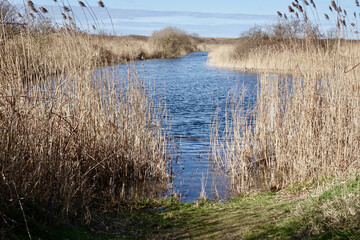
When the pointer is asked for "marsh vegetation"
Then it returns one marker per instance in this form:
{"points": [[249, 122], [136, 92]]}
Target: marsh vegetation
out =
{"points": [[315, 129], [80, 144]]}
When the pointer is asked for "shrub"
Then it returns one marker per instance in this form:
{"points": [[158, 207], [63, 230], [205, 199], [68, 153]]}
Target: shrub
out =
{"points": [[253, 38], [284, 32], [294, 29], [171, 42]]}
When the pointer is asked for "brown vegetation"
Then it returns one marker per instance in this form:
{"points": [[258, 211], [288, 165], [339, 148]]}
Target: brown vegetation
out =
{"points": [[75, 138], [306, 127], [171, 42]]}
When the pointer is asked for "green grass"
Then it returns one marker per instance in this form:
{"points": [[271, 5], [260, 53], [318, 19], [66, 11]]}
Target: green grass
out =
{"points": [[239, 218], [289, 214]]}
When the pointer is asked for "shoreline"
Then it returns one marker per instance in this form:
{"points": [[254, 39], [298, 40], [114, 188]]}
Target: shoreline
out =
{"points": [[250, 70]]}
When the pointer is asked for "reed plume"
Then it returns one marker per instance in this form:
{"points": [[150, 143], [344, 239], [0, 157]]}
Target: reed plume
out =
{"points": [[43, 10], [333, 4], [66, 9], [32, 6], [30, 3], [101, 4], [301, 9]]}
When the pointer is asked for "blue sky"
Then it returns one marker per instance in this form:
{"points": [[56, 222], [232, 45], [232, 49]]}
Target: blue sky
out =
{"points": [[209, 18]]}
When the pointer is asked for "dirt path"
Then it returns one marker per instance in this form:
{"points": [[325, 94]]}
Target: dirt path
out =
{"points": [[263, 216]]}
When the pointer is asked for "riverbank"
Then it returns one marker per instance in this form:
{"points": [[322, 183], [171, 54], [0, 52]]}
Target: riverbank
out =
{"points": [[297, 212], [287, 56], [314, 127], [303, 127]]}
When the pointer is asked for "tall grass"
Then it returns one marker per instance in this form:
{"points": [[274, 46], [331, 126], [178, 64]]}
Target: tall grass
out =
{"points": [[75, 138], [306, 128]]}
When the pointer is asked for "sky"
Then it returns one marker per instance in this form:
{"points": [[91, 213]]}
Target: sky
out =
{"points": [[207, 18]]}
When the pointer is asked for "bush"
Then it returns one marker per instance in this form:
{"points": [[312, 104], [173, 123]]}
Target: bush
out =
{"points": [[171, 42], [253, 38], [289, 32], [294, 29]]}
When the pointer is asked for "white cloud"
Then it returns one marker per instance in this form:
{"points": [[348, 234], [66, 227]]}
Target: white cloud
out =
{"points": [[130, 21]]}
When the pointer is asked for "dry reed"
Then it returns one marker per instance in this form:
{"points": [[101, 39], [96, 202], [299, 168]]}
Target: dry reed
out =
{"points": [[314, 129], [75, 138]]}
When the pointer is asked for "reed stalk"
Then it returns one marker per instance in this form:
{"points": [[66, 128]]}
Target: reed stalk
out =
{"points": [[316, 121], [75, 137]]}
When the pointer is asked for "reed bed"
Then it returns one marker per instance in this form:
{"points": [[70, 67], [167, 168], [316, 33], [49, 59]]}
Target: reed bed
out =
{"points": [[76, 139], [287, 57], [58, 52], [305, 129]]}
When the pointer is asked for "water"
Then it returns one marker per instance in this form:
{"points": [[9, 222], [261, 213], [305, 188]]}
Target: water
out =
{"points": [[192, 91]]}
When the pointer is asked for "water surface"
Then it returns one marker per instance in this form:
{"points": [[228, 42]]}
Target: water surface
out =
{"points": [[193, 91]]}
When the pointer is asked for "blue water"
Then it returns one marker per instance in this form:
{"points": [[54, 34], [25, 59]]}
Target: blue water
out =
{"points": [[193, 91]]}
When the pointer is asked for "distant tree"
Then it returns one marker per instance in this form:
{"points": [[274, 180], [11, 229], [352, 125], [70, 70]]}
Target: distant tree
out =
{"points": [[294, 29], [7, 12], [255, 32], [195, 35], [8, 19]]}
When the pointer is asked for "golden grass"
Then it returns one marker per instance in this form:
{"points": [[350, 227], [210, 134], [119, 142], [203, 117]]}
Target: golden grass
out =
{"points": [[316, 115], [76, 138], [287, 57]]}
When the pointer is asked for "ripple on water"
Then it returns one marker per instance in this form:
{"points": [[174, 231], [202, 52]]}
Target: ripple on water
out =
{"points": [[193, 90]]}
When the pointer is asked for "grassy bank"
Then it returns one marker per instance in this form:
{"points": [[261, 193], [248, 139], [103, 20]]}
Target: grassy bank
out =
{"points": [[302, 211]]}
